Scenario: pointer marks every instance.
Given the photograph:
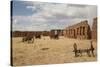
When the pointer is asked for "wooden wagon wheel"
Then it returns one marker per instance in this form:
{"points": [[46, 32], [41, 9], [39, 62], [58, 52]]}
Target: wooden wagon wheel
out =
{"points": [[92, 49], [75, 49]]}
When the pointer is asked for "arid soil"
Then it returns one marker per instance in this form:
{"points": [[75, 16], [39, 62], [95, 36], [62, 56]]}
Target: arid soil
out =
{"points": [[49, 51]]}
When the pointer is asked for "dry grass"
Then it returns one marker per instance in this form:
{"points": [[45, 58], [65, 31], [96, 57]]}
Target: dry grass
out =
{"points": [[48, 51]]}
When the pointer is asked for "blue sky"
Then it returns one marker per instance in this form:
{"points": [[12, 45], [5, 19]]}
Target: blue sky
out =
{"points": [[19, 8], [42, 16]]}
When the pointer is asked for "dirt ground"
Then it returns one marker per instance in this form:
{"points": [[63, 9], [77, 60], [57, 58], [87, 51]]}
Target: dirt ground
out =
{"points": [[49, 51]]}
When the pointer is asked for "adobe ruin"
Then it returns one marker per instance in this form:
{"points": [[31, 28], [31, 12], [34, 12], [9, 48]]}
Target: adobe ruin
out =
{"points": [[78, 31], [94, 29], [56, 31]]}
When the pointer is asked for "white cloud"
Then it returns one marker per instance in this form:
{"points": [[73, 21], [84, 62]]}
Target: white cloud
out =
{"points": [[51, 15]]}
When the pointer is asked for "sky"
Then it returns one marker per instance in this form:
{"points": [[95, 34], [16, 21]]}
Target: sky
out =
{"points": [[44, 16]]}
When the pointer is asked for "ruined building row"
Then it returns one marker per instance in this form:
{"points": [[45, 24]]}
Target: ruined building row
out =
{"points": [[82, 30], [44, 33], [26, 33]]}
